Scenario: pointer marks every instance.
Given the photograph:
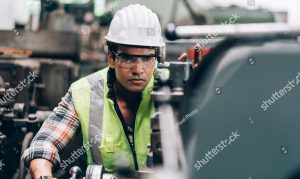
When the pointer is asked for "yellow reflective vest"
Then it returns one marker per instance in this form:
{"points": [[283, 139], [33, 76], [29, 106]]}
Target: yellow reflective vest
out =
{"points": [[104, 138]]}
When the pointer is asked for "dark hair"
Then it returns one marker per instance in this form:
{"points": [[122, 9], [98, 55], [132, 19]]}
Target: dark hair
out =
{"points": [[112, 47]]}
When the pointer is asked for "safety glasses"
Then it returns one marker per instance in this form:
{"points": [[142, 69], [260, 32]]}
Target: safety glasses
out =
{"points": [[129, 61]]}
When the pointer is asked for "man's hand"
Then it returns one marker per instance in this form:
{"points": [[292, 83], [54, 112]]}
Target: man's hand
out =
{"points": [[40, 167], [197, 53]]}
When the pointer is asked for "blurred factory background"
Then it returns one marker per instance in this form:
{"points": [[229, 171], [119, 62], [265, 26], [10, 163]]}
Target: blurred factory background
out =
{"points": [[62, 40]]}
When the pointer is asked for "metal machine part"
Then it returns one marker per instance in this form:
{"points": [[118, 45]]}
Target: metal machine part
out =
{"points": [[228, 90], [231, 30], [38, 83], [27, 139], [166, 145], [17, 129], [43, 44], [75, 172]]}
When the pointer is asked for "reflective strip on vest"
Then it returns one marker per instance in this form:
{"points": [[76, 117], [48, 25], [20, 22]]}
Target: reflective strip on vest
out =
{"points": [[93, 96], [96, 113]]}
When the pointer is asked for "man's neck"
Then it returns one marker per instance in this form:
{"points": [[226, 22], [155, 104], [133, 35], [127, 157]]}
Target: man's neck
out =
{"points": [[121, 93]]}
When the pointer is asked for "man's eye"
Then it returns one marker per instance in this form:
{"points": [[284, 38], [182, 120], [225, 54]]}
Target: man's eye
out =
{"points": [[127, 59], [147, 59]]}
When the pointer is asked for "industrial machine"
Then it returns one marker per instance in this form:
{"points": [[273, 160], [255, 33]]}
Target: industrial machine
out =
{"points": [[17, 128], [227, 112], [231, 91], [36, 70]]}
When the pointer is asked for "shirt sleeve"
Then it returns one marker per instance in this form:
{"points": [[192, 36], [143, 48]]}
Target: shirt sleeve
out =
{"points": [[55, 133]]}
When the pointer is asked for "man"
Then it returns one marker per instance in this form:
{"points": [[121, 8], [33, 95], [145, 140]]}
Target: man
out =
{"points": [[112, 106]]}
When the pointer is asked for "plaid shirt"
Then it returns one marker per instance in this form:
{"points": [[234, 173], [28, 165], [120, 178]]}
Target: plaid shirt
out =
{"points": [[60, 127], [55, 133]]}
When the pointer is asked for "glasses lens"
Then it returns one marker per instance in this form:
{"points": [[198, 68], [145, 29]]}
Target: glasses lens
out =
{"points": [[148, 61], [130, 61]]}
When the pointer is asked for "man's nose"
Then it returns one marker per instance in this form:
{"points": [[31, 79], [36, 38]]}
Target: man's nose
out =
{"points": [[138, 68]]}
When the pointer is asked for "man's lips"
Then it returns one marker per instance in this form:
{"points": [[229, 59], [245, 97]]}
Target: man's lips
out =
{"points": [[137, 80]]}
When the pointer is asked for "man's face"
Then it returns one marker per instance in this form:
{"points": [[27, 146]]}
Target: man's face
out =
{"points": [[134, 79]]}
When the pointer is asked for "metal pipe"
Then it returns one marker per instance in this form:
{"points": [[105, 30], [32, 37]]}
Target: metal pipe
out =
{"points": [[27, 139], [232, 30]]}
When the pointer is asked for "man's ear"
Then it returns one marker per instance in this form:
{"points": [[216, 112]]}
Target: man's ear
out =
{"points": [[111, 61]]}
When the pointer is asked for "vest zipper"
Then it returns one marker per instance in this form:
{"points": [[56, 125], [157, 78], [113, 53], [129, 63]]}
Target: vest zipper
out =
{"points": [[132, 148]]}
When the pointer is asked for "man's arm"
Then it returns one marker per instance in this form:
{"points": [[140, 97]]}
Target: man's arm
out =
{"points": [[40, 167], [52, 137]]}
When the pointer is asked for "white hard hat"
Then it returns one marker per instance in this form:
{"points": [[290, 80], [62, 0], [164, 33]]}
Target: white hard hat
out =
{"points": [[135, 25]]}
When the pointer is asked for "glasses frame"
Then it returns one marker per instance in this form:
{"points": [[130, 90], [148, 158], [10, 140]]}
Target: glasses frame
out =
{"points": [[122, 55]]}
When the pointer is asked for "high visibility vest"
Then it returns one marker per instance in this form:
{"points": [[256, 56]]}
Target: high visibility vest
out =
{"points": [[104, 138]]}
